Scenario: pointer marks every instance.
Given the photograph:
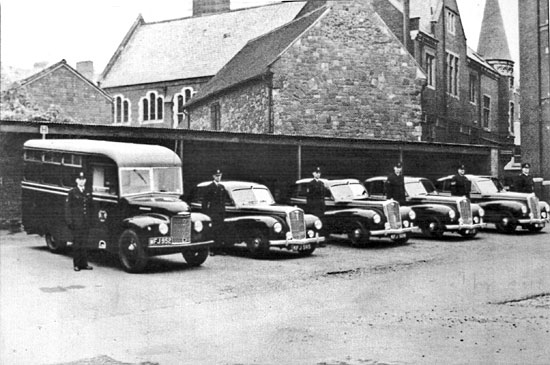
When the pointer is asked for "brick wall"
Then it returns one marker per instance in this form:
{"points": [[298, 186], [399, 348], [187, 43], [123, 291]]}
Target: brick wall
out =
{"points": [[77, 99], [11, 174]]}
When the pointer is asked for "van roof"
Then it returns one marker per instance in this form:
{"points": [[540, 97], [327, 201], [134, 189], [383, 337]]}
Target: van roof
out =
{"points": [[122, 153]]}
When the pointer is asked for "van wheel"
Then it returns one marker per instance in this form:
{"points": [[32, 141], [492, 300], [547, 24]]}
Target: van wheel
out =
{"points": [[358, 235], [131, 253], [195, 258], [54, 245], [257, 243]]}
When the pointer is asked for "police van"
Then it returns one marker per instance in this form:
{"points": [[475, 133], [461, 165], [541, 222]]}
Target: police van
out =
{"points": [[137, 211]]}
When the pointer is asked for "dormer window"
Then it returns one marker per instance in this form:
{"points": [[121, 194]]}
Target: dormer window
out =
{"points": [[152, 108], [451, 22]]}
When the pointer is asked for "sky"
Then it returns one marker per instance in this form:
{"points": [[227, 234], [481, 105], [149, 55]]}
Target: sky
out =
{"points": [[33, 31]]}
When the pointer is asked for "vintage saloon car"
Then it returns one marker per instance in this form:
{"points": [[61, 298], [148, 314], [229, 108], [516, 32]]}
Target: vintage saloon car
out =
{"points": [[253, 218], [435, 214], [136, 189], [506, 210], [350, 211]]}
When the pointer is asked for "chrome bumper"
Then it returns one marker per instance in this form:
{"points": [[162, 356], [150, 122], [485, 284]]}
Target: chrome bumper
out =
{"points": [[533, 221], [305, 241], [462, 227], [389, 232], [204, 244]]}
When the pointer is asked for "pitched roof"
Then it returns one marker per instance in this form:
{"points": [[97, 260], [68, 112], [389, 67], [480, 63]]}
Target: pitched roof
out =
{"points": [[257, 55], [56, 66], [191, 47], [473, 55], [427, 11], [493, 44]]}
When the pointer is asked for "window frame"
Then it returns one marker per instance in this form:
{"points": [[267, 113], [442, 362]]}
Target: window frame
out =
{"points": [[186, 94], [486, 112], [451, 22], [151, 108], [473, 86], [430, 67], [453, 74], [215, 116], [125, 111]]}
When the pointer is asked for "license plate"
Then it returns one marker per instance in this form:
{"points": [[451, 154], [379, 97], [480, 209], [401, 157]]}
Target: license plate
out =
{"points": [[397, 236], [160, 240], [301, 247]]}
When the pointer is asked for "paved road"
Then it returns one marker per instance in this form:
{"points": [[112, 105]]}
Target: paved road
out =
{"points": [[485, 300]]}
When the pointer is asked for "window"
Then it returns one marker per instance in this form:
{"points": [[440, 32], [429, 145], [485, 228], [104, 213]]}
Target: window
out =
{"points": [[122, 109], [451, 21], [430, 69], [486, 110], [452, 74], [180, 99], [215, 116], [473, 89], [511, 118], [152, 108]]}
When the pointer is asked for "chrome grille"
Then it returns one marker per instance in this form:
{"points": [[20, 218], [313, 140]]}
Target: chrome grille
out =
{"points": [[534, 207], [181, 228], [393, 214], [297, 224], [465, 210]]}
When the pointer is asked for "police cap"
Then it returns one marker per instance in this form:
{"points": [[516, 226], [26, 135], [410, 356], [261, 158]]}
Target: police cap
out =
{"points": [[217, 172], [317, 169], [461, 167], [80, 175], [398, 165], [526, 165]]}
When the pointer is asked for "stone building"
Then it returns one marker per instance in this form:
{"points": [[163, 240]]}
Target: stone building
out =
{"points": [[534, 35], [337, 71], [159, 66]]}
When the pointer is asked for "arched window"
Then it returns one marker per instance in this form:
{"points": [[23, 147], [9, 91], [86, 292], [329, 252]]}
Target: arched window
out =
{"points": [[152, 108], [122, 110], [180, 99]]}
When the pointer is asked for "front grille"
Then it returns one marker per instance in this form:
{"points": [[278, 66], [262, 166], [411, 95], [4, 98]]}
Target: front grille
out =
{"points": [[393, 214], [181, 228], [534, 207], [465, 210], [297, 224]]}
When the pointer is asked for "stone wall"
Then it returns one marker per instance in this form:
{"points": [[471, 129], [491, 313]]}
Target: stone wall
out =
{"points": [[11, 174], [76, 98], [348, 76]]}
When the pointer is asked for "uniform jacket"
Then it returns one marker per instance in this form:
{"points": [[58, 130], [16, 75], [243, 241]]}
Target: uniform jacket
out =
{"points": [[213, 203], [460, 185], [395, 187], [316, 197], [78, 209], [524, 184]]}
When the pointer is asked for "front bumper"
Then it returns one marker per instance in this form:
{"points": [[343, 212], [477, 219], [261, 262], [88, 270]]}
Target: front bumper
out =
{"points": [[293, 242], [533, 221], [389, 232], [464, 227], [192, 246]]}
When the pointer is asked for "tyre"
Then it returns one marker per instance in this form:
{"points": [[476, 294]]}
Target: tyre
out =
{"points": [[358, 235], [257, 243], [131, 252], [53, 244], [506, 223], [195, 258], [433, 228], [470, 233], [533, 228]]}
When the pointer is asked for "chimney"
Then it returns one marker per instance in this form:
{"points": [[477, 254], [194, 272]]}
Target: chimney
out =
{"points": [[205, 7], [86, 69]]}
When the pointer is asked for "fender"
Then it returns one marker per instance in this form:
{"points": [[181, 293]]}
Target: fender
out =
{"points": [[513, 207], [440, 211], [200, 217], [254, 220], [145, 220], [354, 213], [310, 220]]}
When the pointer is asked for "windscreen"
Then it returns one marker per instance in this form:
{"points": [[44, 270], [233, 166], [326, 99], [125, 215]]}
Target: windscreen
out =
{"points": [[151, 179]]}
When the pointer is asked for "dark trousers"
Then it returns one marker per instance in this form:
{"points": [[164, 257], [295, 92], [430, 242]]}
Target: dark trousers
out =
{"points": [[217, 229], [80, 249]]}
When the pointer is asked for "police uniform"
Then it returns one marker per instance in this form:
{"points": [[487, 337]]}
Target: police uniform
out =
{"points": [[213, 205], [524, 182], [315, 195], [78, 213], [395, 186], [460, 185]]}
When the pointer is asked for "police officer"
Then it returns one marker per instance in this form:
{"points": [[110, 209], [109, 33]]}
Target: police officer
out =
{"points": [[460, 185], [315, 195], [524, 181], [213, 205], [78, 212], [395, 184]]}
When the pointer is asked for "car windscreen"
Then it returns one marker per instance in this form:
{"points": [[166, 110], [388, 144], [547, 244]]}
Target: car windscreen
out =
{"points": [[150, 179], [348, 191], [252, 196], [420, 187], [486, 186]]}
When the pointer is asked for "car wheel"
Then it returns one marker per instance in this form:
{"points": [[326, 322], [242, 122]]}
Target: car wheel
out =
{"points": [[533, 228], [257, 243], [195, 258], [358, 235], [505, 223], [53, 244], [433, 228], [402, 240], [131, 253], [468, 233]]}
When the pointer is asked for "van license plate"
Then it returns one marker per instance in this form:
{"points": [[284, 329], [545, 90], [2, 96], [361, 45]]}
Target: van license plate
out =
{"points": [[160, 241]]}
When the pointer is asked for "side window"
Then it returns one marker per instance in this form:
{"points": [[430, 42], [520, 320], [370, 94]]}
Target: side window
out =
{"points": [[475, 189], [104, 179], [228, 201], [376, 188]]}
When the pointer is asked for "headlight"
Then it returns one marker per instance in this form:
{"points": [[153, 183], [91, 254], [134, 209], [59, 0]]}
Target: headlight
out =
{"points": [[476, 220], [452, 214], [163, 228], [310, 233], [376, 218], [481, 212], [543, 214], [412, 215], [198, 226], [318, 224], [524, 209], [277, 227], [406, 224]]}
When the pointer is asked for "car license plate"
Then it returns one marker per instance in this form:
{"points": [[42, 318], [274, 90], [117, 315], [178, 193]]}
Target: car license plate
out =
{"points": [[301, 247], [160, 241]]}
